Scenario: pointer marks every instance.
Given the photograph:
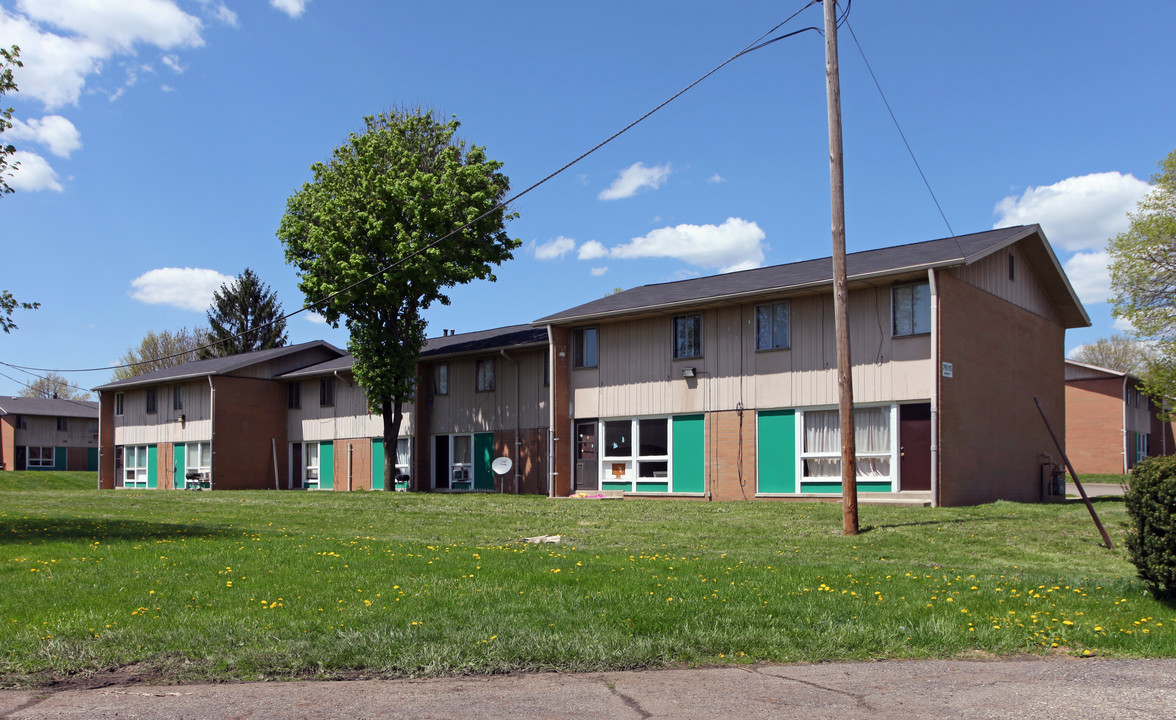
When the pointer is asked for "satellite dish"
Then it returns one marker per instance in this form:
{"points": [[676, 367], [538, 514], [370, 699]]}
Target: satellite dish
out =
{"points": [[501, 466]]}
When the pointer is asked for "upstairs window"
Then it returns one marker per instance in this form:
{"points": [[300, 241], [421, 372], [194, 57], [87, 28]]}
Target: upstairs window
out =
{"points": [[441, 379], [178, 397], [293, 395], [912, 309], [584, 347], [485, 382], [327, 392], [771, 326], [118, 403], [150, 401], [62, 424], [688, 336], [22, 422]]}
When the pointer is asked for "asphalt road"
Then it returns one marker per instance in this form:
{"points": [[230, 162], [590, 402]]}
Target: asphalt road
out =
{"points": [[1055, 687]]}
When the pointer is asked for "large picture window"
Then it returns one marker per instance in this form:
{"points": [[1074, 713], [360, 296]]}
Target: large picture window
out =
{"points": [[403, 457], [821, 454], [135, 466], [40, 457], [771, 326], [912, 309], [688, 336], [198, 457], [584, 347], [636, 449]]}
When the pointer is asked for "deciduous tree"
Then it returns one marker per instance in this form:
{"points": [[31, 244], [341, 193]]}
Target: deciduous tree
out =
{"points": [[1143, 277], [54, 385], [8, 59], [374, 210], [245, 316], [1116, 353], [160, 350]]}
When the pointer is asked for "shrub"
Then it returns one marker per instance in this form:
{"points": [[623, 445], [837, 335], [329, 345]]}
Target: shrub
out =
{"points": [[1151, 540]]}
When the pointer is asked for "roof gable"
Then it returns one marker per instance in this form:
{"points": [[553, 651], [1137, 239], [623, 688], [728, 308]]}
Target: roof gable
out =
{"points": [[48, 406]]}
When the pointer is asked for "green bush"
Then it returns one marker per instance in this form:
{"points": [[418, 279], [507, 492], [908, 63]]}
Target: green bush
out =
{"points": [[1151, 505]]}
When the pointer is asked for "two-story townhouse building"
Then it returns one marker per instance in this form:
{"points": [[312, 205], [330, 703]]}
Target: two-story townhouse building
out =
{"points": [[48, 434], [1110, 424], [725, 387], [221, 420]]}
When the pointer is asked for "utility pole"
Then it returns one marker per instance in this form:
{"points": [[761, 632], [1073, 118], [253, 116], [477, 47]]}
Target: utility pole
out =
{"points": [[849, 516]]}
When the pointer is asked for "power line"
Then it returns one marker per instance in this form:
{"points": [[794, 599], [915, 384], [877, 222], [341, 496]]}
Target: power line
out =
{"points": [[901, 134], [751, 47]]}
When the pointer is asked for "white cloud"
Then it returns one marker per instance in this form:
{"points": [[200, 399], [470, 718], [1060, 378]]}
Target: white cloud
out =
{"points": [[1078, 213], [185, 288], [634, 178], [1089, 276], [598, 271], [52, 131], [34, 173], [316, 318], [716, 179], [64, 42], [220, 13], [173, 62], [293, 8], [592, 250], [555, 249], [737, 244]]}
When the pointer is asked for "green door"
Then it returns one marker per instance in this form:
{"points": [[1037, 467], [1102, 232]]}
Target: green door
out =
{"points": [[377, 463], [689, 454], [326, 466], [483, 457], [152, 467], [178, 454], [776, 438], [92, 459]]}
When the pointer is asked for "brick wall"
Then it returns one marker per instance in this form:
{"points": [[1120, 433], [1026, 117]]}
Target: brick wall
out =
{"points": [[730, 454], [106, 469], [563, 437], [7, 443], [247, 415], [531, 464], [991, 435], [1094, 425]]}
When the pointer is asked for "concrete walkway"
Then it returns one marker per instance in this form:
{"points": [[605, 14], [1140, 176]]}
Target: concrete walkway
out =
{"points": [[1058, 687]]}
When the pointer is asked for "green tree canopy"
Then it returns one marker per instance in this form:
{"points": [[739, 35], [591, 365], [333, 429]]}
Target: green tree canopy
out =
{"points": [[8, 59], [374, 210], [160, 350], [1143, 277], [54, 385], [1116, 353], [245, 316]]}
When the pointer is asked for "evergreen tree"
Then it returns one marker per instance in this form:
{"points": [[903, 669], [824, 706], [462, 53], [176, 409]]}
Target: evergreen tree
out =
{"points": [[245, 316]]}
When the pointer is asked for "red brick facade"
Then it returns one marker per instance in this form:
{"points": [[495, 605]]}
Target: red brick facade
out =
{"points": [[249, 418]]}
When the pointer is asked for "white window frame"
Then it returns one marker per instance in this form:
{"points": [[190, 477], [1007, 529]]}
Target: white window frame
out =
{"points": [[135, 474], [633, 460], [685, 327], [803, 455], [203, 455], [455, 466], [914, 310], [580, 347], [40, 461], [404, 468], [774, 342], [308, 466]]}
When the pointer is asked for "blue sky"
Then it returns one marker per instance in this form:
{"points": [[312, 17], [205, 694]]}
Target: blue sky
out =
{"points": [[161, 138]]}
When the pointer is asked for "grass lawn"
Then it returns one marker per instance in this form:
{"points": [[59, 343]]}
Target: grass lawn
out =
{"points": [[182, 585]]}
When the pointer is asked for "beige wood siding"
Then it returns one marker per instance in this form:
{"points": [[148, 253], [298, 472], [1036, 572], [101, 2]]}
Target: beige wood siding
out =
{"points": [[136, 427], [41, 431], [519, 398], [347, 418], [638, 376], [991, 274]]}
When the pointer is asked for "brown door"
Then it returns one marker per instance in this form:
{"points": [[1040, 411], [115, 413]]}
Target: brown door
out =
{"points": [[914, 446], [167, 466], [586, 465]]}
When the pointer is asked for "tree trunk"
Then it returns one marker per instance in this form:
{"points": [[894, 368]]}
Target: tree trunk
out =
{"points": [[391, 412]]}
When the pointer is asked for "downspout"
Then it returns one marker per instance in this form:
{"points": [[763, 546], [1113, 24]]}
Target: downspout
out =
{"points": [[211, 433], [349, 447], [936, 378], [1126, 469], [517, 414]]}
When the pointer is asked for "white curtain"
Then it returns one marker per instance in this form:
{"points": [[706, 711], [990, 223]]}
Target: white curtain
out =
{"points": [[822, 434]]}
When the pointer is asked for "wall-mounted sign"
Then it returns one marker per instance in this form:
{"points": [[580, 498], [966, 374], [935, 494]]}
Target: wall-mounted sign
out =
{"points": [[947, 370]]}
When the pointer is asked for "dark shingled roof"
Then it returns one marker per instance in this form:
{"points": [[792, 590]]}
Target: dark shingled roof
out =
{"points": [[503, 338], [216, 366], [961, 250], [48, 406]]}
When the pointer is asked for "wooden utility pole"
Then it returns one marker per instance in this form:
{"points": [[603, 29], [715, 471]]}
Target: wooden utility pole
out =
{"points": [[849, 519]]}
